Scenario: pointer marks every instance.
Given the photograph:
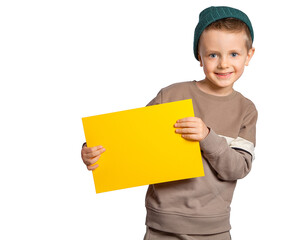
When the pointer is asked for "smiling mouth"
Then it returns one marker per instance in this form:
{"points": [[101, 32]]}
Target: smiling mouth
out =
{"points": [[224, 75]]}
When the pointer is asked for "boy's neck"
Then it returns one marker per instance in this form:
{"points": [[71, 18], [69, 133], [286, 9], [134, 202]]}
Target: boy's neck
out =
{"points": [[207, 87]]}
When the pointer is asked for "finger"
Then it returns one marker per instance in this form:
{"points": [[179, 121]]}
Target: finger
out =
{"points": [[191, 137], [93, 160], [90, 161], [92, 167], [186, 130], [94, 153], [188, 119], [91, 149], [185, 124]]}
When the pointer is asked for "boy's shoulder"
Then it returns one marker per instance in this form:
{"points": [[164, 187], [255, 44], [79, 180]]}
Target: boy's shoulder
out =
{"points": [[177, 91], [244, 99], [178, 86], [174, 92], [245, 102]]}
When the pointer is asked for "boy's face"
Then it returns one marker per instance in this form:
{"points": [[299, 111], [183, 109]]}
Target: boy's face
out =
{"points": [[223, 56]]}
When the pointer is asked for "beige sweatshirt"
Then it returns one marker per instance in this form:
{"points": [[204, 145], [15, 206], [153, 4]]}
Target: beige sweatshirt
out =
{"points": [[202, 205]]}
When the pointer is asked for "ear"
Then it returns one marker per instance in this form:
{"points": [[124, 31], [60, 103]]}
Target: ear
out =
{"points": [[249, 56], [200, 60]]}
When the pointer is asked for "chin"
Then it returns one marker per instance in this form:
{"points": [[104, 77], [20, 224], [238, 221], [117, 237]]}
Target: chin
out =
{"points": [[223, 84]]}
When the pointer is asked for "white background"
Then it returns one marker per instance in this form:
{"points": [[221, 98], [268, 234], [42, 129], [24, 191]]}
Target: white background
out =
{"points": [[63, 60]]}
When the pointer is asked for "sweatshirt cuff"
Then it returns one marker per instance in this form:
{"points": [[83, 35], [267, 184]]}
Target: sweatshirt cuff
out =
{"points": [[211, 144]]}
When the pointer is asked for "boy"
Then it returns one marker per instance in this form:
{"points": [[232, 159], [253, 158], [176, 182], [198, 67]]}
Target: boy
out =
{"points": [[224, 125]]}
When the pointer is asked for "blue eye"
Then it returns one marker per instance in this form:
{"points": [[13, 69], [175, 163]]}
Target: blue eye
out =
{"points": [[212, 55], [234, 54]]}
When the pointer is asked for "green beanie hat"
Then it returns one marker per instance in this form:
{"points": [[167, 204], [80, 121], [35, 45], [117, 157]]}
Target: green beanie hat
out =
{"points": [[213, 14]]}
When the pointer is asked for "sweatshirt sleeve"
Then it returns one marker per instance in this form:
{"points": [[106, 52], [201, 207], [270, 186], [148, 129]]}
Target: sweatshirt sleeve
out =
{"points": [[232, 160]]}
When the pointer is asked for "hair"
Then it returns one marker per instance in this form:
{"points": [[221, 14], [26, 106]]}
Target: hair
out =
{"points": [[232, 25]]}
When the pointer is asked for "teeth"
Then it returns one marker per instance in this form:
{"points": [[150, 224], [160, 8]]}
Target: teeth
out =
{"points": [[223, 74]]}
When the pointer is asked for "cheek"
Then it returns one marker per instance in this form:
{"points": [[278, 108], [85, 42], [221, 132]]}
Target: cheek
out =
{"points": [[239, 70], [208, 67], [206, 70], [239, 66]]}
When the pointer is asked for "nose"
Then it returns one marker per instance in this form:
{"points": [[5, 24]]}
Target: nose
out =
{"points": [[223, 62]]}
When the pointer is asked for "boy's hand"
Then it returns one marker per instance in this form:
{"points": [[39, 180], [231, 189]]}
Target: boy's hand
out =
{"points": [[91, 156], [191, 128]]}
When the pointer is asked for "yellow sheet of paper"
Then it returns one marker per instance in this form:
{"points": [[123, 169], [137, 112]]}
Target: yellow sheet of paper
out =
{"points": [[142, 147]]}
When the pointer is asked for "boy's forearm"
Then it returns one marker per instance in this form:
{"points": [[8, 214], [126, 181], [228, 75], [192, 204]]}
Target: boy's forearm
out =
{"points": [[230, 164]]}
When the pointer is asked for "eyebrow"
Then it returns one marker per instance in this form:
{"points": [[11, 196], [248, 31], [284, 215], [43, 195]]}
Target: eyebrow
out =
{"points": [[211, 51], [230, 51]]}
